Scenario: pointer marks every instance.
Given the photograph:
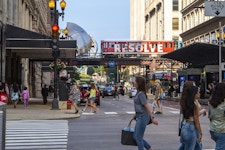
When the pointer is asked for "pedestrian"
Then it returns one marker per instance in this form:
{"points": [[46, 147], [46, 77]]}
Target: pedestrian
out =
{"points": [[158, 99], [25, 96], [92, 98], [217, 116], [15, 94], [116, 93], [85, 95], [75, 92], [44, 93], [51, 90], [3, 96], [191, 133], [143, 114]]}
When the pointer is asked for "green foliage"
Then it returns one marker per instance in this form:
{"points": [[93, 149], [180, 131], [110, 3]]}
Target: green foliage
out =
{"points": [[76, 75], [99, 69], [84, 76]]}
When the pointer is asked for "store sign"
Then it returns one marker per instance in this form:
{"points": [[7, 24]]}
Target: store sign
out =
{"points": [[137, 47]]}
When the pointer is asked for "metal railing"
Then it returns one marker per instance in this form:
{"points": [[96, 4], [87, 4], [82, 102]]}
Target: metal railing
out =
{"points": [[2, 125]]}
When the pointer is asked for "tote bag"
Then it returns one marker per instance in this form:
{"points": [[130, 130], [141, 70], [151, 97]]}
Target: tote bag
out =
{"points": [[127, 136]]}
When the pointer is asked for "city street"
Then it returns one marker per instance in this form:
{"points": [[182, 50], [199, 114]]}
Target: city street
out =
{"points": [[102, 131]]}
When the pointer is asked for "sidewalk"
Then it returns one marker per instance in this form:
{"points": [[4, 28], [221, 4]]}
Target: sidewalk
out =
{"points": [[38, 111]]}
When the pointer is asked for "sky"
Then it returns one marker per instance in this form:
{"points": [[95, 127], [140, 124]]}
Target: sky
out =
{"points": [[103, 19]]}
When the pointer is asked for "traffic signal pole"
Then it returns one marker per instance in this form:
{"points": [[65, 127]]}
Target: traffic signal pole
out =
{"points": [[55, 104]]}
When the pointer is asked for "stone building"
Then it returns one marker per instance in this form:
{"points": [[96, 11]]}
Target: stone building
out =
{"points": [[196, 26], [163, 20], [31, 15]]}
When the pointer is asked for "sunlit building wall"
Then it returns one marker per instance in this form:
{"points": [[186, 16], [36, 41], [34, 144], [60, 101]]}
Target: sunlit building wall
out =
{"points": [[163, 20], [196, 26]]}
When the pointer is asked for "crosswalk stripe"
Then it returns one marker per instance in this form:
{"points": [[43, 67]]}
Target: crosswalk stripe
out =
{"points": [[38, 134], [111, 113], [130, 112], [87, 113], [175, 112]]}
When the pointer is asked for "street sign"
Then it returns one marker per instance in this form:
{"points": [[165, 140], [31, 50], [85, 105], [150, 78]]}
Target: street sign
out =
{"points": [[111, 64], [215, 8]]}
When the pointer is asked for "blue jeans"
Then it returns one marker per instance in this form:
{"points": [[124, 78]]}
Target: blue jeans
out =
{"points": [[189, 138], [219, 138], [142, 121]]}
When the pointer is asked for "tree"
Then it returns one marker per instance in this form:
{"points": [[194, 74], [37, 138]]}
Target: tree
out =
{"points": [[76, 74], [90, 71], [111, 73], [99, 69]]}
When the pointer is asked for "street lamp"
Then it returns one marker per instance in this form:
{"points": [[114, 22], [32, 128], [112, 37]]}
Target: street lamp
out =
{"points": [[55, 14]]}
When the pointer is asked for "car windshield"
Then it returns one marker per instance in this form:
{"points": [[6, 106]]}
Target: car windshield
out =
{"points": [[109, 88]]}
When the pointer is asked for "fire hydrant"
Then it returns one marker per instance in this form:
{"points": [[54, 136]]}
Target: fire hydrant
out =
{"points": [[69, 103]]}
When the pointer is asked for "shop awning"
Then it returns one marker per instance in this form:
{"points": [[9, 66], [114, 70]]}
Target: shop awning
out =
{"points": [[197, 54], [29, 44]]}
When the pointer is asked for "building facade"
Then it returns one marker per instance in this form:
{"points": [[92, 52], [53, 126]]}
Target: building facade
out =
{"points": [[33, 16], [196, 26], [163, 20], [137, 25]]}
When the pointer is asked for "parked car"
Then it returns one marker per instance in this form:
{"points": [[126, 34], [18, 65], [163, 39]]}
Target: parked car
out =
{"points": [[109, 91], [133, 92]]}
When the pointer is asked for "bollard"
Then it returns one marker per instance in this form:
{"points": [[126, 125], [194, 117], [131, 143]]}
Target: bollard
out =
{"points": [[2, 125]]}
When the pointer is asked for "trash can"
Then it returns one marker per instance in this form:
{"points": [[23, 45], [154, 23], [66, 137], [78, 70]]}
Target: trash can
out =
{"points": [[69, 103], [2, 125]]}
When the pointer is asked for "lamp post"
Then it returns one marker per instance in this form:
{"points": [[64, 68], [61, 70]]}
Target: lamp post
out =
{"points": [[219, 37], [55, 38]]}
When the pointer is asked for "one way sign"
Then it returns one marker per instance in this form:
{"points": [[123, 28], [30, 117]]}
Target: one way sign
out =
{"points": [[215, 8]]}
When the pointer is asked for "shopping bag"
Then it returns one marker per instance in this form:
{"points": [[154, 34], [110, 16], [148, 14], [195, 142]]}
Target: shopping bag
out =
{"points": [[127, 136]]}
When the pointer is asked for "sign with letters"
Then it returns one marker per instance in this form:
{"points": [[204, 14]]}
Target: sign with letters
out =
{"points": [[137, 47]]}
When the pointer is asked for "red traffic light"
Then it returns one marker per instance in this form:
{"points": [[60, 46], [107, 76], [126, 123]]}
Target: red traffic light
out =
{"points": [[55, 28]]}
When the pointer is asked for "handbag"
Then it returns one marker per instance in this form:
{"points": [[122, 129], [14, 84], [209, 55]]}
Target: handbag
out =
{"points": [[150, 121], [127, 136]]}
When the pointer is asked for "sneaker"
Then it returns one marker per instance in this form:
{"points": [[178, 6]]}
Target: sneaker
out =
{"points": [[76, 112], [157, 112]]}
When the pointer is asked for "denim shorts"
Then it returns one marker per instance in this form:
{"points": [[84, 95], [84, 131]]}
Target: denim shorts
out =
{"points": [[92, 98]]}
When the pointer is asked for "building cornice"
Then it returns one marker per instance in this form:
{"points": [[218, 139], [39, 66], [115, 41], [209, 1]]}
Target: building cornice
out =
{"points": [[200, 29], [192, 6]]}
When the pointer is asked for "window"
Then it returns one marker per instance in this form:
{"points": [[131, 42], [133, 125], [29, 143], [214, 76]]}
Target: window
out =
{"points": [[175, 24], [175, 5]]}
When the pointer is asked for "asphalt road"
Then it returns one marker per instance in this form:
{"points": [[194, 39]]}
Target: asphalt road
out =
{"points": [[102, 131]]}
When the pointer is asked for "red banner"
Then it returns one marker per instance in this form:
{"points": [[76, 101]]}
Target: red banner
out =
{"points": [[136, 47]]}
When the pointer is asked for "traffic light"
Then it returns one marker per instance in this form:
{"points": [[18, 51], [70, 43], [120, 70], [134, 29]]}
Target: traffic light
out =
{"points": [[55, 38]]}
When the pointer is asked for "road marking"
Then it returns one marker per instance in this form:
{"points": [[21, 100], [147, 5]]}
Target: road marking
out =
{"points": [[87, 113], [130, 112], [175, 112], [175, 109], [37, 134], [111, 113]]}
